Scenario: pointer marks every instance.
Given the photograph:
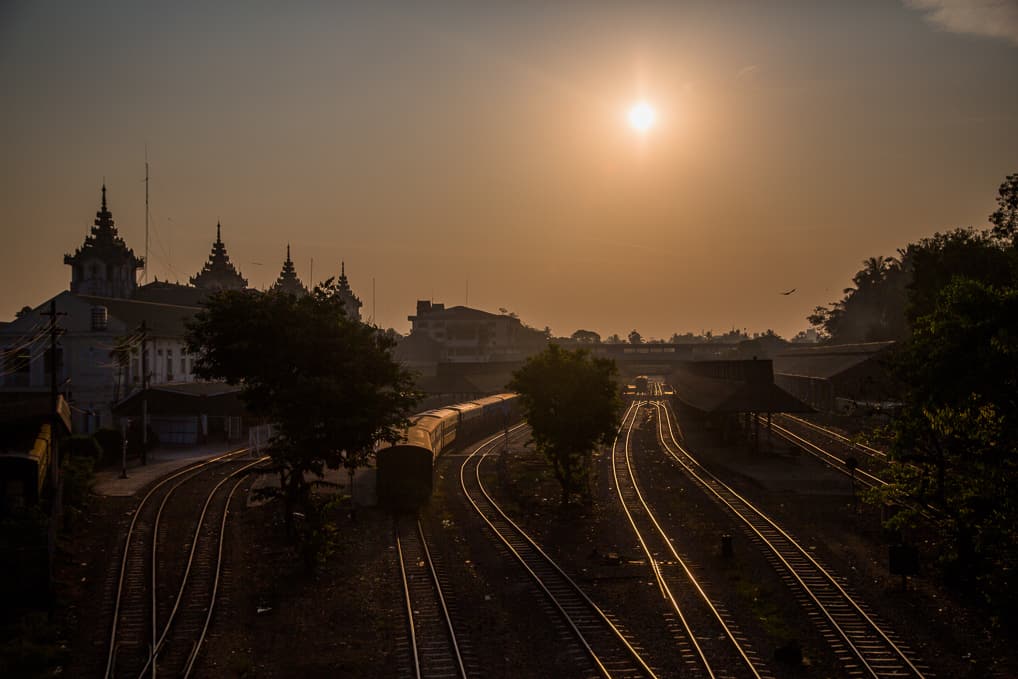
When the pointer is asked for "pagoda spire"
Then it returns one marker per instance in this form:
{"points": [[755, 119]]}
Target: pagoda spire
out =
{"points": [[350, 301], [219, 273], [288, 281], [104, 265]]}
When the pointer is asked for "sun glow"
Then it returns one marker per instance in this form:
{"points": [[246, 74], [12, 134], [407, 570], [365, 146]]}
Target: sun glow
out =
{"points": [[642, 117]]}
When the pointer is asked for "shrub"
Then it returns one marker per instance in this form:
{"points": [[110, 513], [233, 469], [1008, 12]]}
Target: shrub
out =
{"points": [[78, 479], [82, 445]]}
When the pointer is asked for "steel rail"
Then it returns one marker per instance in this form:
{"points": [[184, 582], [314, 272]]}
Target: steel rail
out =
{"points": [[158, 645], [409, 606], [436, 589], [196, 469], [835, 435], [215, 584], [644, 507], [729, 497], [828, 458], [542, 558]]}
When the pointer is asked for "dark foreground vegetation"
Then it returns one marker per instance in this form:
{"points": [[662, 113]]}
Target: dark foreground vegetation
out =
{"points": [[951, 301]]}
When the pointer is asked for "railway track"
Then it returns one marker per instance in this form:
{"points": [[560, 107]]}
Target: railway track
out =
{"points": [[155, 561], [833, 435], [833, 460], [600, 639], [706, 635], [862, 643], [435, 651]]}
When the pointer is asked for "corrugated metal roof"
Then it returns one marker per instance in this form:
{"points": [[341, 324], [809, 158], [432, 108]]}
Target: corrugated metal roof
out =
{"points": [[713, 395], [827, 361]]}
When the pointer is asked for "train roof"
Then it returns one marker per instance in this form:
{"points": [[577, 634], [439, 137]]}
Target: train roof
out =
{"points": [[497, 398], [435, 413], [463, 408]]}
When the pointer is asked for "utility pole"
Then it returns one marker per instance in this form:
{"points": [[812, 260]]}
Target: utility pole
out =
{"points": [[54, 417], [144, 393]]}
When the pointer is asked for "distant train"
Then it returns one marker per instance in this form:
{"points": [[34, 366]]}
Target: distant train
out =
{"points": [[405, 470]]}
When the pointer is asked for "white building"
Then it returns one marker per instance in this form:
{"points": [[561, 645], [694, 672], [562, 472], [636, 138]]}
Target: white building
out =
{"points": [[99, 351], [107, 323]]}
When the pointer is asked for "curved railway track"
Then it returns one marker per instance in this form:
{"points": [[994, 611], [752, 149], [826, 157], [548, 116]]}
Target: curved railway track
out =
{"points": [[434, 649], [610, 653], [861, 642], [153, 565], [704, 627]]}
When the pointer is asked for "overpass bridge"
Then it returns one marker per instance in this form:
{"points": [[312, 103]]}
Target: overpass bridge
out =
{"points": [[643, 359]]}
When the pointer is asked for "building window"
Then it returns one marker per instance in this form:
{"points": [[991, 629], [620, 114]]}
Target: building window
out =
{"points": [[183, 365]]}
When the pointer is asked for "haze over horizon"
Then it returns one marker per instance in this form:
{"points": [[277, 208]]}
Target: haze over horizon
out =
{"points": [[428, 147]]}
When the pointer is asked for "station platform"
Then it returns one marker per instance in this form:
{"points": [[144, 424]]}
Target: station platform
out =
{"points": [[161, 461]]}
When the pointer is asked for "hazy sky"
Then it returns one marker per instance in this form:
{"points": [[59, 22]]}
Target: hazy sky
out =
{"points": [[428, 144]]}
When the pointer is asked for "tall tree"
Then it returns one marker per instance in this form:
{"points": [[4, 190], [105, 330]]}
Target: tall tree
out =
{"points": [[586, 336], [956, 438], [872, 310], [327, 381], [571, 401], [635, 337], [1005, 217], [943, 257]]}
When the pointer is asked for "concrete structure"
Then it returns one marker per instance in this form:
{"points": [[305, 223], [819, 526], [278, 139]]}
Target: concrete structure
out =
{"points": [[465, 335]]}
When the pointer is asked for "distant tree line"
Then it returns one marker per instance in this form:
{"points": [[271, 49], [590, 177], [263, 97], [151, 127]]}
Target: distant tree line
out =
{"points": [[706, 337]]}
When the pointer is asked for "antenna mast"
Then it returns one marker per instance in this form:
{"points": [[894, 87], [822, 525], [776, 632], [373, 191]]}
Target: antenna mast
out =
{"points": [[145, 270]]}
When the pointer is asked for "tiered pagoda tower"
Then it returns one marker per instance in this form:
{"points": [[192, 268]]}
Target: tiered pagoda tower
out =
{"points": [[219, 272], [104, 266], [350, 301], [288, 281]]}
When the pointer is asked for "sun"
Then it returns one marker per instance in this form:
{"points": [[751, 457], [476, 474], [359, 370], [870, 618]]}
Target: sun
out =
{"points": [[641, 117]]}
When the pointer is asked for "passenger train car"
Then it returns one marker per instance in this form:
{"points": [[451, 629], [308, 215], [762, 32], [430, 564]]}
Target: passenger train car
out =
{"points": [[404, 471]]}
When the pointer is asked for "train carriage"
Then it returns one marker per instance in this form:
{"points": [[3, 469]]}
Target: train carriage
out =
{"points": [[405, 470]]}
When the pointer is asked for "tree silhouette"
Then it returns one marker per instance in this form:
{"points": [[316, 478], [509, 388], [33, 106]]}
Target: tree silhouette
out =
{"points": [[571, 401], [327, 381]]}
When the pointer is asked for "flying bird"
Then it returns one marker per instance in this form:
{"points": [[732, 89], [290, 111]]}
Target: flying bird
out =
{"points": [[789, 292]]}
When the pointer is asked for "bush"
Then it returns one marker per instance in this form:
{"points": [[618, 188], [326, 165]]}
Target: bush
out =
{"points": [[78, 479], [82, 446]]}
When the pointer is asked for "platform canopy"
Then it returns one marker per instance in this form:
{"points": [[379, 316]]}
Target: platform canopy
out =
{"points": [[733, 387], [208, 398]]}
